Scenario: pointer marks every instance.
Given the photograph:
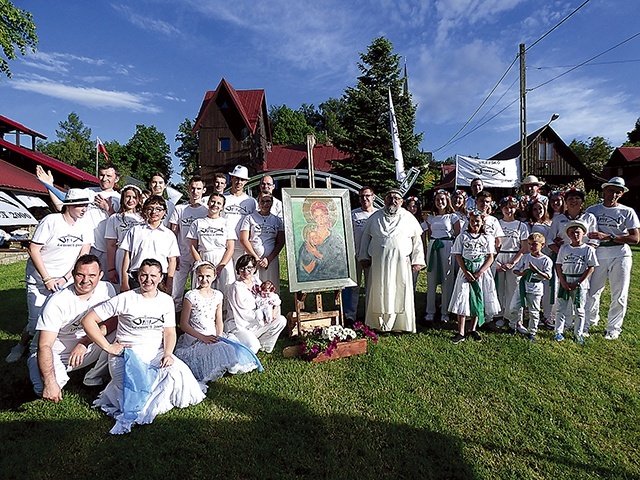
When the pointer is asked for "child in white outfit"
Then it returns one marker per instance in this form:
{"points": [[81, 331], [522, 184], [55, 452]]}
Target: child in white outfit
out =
{"points": [[265, 301]]}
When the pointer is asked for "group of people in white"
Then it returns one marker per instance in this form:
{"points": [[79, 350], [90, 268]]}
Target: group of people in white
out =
{"points": [[106, 278], [544, 257]]}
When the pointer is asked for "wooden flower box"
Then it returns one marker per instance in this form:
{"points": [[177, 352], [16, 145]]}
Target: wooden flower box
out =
{"points": [[344, 349]]}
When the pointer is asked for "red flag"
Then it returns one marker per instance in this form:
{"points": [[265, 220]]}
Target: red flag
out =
{"points": [[101, 148]]}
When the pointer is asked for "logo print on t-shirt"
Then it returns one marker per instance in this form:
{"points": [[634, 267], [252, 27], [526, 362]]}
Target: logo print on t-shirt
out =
{"points": [[70, 239]]}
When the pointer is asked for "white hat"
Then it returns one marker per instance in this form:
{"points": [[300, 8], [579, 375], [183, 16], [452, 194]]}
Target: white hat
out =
{"points": [[575, 223], [531, 180], [76, 196], [240, 172], [616, 182]]}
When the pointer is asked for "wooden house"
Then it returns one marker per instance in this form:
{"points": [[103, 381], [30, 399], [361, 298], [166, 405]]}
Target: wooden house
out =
{"points": [[233, 129], [285, 157], [550, 159], [625, 163]]}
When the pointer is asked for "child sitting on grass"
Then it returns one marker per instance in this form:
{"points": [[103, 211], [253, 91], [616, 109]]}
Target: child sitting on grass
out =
{"points": [[474, 292], [533, 268], [575, 264]]}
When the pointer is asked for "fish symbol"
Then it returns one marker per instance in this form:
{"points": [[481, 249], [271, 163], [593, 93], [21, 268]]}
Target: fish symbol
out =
{"points": [[490, 171], [70, 239]]}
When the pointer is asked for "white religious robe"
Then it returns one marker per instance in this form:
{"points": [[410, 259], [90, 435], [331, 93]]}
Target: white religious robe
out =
{"points": [[393, 243]]}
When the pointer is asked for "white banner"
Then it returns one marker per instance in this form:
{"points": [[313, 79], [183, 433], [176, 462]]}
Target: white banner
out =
{"points": [[493, 173], [395, 141], [13, 212]]}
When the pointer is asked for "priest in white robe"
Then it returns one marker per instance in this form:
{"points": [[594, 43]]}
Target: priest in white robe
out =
{"points": [[392, 247]]}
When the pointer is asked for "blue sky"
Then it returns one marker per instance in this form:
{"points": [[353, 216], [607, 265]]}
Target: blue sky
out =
{"points": [[118, 64]]}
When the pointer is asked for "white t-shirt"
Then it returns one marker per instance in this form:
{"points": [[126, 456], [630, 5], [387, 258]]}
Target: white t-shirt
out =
{"points": [[359, 220], [62, 314], [514, 233], [212, 234], [263, 231], [441, 226], [235, 208], [184, 216], [141, 321], [560, 221], [542, 263], [119, 225], [144, 242], [473, 246], [96, 217], [61, 245], [575, 260], [617, 220], [492, 227], [276, 208]]}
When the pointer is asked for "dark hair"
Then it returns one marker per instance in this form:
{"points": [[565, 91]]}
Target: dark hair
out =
{"points": [[85, 259], [245, 260], [475, 213], [219, 195], [484, 194], [220, 175], [107, 166], [151, 262], [261, 195], [544, 219], [158, 174], [134, 189], [195, 178], [477, 179], [366, 187], [153, 200]]}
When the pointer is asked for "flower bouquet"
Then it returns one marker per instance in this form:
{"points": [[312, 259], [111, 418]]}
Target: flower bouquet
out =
{"points": [[334, 341]]}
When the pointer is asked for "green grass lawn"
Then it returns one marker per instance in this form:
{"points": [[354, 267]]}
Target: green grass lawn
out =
{"points": [[415, 406]]}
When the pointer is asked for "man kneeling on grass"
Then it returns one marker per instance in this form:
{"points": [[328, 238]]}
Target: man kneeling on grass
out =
{"points": [[61, 344]]}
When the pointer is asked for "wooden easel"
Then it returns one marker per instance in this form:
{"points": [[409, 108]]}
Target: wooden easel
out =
{"points": [[301, 321]]}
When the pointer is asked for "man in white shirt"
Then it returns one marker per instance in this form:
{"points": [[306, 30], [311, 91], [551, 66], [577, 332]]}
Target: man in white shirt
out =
{"points": [[531, 186], [237, 205], [267, 185], [359, 217], [61, 345], [181, 220], [617, 228]]}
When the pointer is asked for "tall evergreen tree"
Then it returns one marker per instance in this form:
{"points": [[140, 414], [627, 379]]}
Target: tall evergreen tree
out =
{"points": [[148, 152], [633, 136], [74, 145], [187, 152], [288, 127], [365, 119]]}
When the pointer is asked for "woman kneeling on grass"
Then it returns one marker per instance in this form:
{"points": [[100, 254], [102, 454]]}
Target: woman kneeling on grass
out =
{"points": [[141, 357], [204, 346], [474, 292]]}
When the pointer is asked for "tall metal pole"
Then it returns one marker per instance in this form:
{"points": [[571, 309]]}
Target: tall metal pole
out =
{"points": [[524, 163]]}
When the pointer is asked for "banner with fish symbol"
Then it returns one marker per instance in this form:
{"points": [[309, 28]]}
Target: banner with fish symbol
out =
{"points": [[493, 173]]}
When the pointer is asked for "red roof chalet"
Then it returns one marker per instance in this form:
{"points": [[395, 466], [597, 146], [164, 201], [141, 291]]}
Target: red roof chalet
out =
{"points": [[285, 157]]}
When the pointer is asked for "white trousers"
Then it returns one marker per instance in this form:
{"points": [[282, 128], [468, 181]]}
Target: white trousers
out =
{"points": [[261, 337], [568, 311], [618, 270], [180, 280]]}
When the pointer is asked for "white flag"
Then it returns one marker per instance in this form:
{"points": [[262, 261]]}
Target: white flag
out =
{"points": [[395, 140], [493, 173]]}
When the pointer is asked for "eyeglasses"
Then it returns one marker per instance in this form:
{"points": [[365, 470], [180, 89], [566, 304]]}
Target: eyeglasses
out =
{"points": [[394, 198], [154, 210], [247, 268]]}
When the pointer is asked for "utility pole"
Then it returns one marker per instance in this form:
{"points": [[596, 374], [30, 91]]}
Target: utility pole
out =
{"points": [[524, 164]]}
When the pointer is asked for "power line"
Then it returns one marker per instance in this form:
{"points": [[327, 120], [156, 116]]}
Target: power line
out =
{"points": [[614, 62], [584, 63], [557, 25]]}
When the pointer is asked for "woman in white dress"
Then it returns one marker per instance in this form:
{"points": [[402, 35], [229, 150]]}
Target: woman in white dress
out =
{"points": [[203, 346], [146, 326], [262, 235], [212, 240], [243, 321], [118, 225]]}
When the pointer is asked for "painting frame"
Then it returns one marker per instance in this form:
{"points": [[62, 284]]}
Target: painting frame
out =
{"points": [[319, 239]]}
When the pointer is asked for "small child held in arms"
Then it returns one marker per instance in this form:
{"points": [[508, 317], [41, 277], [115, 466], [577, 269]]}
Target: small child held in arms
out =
{"points": [[533, 268], [266, 300], [474, 292], [574, 265]]}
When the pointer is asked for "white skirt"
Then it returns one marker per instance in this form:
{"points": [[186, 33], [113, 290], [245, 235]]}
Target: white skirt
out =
{"points": [[460, 304]]}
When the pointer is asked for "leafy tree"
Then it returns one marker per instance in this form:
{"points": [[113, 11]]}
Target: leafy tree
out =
{"points": [[17, 30], [593, 154], [148, 152], [288, 127], [365, 120], [74, 145], [633, 136], [187, 152], [332, 112]]}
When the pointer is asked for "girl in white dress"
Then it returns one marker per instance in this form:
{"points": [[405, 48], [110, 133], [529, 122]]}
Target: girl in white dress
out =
{"points": [[212, 240], [118, 225], [441, 228], [203, 346], [146, 325], [474, 291]]}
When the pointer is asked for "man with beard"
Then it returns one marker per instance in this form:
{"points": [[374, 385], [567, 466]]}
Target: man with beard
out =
{"points": [[61, 344], [391, 246]]}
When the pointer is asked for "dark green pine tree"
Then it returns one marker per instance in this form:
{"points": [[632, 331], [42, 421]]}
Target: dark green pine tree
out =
{"points": [[366, 133]]}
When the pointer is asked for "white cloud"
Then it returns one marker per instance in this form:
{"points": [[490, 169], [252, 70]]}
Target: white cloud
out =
{"points": [[146, 23], [90, 97]]}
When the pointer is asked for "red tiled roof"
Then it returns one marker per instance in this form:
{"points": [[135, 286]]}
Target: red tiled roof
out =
{"points": [[14, 178], [7, 122], [285, 157], [630, 154], [247, 102], [50, 162]]}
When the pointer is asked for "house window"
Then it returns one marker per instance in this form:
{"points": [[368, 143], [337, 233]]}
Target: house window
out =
{"points": [[224, 144], [545, 151]]}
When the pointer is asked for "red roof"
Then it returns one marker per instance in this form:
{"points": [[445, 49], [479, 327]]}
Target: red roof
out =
{"points": [[247, 102], [14, 178], [50, 162], [285, 157], [7, 125], [630, 154]]}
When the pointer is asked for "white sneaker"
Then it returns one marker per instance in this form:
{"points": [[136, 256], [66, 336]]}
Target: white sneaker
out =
{"points": [[612, 335], [520, 329], [15, 354]]}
